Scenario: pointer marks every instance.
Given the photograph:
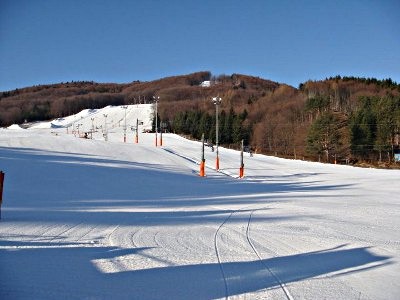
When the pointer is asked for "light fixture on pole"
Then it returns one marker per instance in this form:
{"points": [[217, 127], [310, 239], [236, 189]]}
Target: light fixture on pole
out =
{"points": [[125, 108], [156, 99], [217, 102]]}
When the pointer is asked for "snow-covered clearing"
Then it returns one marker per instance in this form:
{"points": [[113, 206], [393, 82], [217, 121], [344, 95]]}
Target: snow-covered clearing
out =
{"points": [[90, 219]]}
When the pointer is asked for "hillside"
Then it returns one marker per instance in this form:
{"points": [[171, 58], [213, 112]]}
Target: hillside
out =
{"points": [[271, 117]]}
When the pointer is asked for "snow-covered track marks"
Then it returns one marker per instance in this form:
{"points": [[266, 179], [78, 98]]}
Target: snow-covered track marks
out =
{"points": [[219, 256], [281, 284], [108, 239], [233, 244], [61, 235]]}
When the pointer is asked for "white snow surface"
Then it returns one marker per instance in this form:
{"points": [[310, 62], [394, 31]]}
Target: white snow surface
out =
{"points": [[95, 219], [15, 127], [115, 118]]}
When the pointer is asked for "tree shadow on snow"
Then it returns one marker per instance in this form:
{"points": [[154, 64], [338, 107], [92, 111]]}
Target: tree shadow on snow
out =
{"points": [[54, 186], [73, 273]]}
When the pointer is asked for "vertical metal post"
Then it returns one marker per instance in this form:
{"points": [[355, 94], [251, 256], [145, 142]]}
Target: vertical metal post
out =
{"points": [[91, 133], [137, 131], [217, 102], [105, 128], [125, 108], [203, 160], [1, 189], [156, 122], [161, 131], [241, 170], [156, 99]]}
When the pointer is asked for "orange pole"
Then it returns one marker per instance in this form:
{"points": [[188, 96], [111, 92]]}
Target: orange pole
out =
{"points": [[136, 139], [217, 163], [241, 170], [202, 169]]}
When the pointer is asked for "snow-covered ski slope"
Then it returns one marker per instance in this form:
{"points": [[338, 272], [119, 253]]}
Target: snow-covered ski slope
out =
{"points": [[114, 116], [95, 219]]}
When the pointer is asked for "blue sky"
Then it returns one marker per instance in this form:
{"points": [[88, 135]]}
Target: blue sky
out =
{"points": [[50, 41]]}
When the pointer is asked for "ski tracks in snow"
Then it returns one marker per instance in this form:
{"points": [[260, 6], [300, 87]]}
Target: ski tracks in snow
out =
{"points": [[224, 239], [281, 284]]}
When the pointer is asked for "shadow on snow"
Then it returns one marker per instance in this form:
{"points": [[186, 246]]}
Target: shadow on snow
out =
{"points": [[54, 273], [92, 190], [55, 186]]}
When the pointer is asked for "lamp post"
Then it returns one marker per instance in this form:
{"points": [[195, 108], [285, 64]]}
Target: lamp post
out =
{"points": [[156, 99], [105, 128], [217, 102], [125, 108]]}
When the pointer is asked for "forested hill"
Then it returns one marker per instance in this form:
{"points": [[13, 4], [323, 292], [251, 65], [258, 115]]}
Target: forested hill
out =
{"points": [[340, 118]]}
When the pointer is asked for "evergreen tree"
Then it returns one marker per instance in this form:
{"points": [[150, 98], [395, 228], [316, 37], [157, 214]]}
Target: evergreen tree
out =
{"points": [[228, 126], [222, 138], [363, 128], [205, 123], [238, 130], [323, 136], [195, 123], [386, 110], [317, 104]]}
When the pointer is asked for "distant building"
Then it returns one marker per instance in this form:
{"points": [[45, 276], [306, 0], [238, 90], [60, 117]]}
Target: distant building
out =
{"points": [[397, 155], [206, 83]]}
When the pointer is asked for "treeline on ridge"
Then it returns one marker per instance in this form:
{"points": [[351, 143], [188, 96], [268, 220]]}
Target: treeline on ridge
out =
{"points": [[342, 119], [233, 128]]}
